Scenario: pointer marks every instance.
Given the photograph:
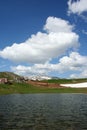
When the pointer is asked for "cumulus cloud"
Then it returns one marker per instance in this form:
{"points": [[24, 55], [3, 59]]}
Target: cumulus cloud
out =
{"points": [[82, 74], [77, 7], [30, 70], [42, 47], [56, 25], [74, 62]]}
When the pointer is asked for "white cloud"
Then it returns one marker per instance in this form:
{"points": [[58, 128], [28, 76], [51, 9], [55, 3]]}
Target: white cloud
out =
{"points": [[74, 63], [57, 25], [30, 70], [42, 47], [82, 74], [77, 7]]}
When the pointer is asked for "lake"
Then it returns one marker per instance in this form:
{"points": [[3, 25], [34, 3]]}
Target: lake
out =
{"points": [[43, 112]]}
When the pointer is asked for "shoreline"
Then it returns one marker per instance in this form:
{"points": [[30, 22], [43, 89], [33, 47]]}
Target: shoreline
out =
{"points": [[24, 88]]}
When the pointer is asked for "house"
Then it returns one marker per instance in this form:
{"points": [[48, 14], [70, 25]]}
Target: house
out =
{"points": [[3, 80]]}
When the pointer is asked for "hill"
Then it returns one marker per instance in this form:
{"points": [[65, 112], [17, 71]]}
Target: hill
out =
{"points": [[65, 81], [9, 75]]}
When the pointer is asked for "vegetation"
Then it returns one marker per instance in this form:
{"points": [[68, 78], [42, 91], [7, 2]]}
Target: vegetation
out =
{"points": [[8, 75], [23, 88], [66, 81]]}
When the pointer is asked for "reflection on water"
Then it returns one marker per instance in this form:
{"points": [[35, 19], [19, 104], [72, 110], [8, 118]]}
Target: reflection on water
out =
{"points": [[43, 112]]}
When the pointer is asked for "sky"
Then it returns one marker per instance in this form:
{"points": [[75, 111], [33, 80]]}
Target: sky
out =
{"points": [[44, 37]]}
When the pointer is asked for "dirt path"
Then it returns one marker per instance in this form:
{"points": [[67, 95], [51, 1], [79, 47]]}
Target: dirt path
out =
{"points": [[44, 84]]}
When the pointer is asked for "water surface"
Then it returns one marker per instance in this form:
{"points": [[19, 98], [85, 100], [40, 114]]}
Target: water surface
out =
{"points": [[43, 112]]}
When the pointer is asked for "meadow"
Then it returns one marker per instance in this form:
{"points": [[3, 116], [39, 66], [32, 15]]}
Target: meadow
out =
{"points": [[25, 88]]}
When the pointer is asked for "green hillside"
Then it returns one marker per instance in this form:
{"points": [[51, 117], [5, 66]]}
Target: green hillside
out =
{"points": [[23, 87], [65, 81], [9, 75]]}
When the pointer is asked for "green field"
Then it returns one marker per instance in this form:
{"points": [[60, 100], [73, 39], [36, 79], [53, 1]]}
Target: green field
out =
{"points": [[27, 88], [66, 81], [23, 88]]}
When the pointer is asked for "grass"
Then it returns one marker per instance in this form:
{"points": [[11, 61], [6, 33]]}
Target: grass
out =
{"points": [[23, 88], [8, 75], [66, 81], [27, 88]]}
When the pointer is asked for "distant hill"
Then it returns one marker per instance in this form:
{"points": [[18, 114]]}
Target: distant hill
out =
{"points": [[9, 75]]}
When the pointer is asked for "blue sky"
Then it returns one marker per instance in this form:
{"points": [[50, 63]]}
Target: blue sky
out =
{"points": [[43, 37]]}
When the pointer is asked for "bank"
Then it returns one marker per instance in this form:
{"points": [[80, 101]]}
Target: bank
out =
{"points": [[24, 88]]}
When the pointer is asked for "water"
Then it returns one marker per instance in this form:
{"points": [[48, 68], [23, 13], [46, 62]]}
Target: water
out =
{"points": [[43, 112]]}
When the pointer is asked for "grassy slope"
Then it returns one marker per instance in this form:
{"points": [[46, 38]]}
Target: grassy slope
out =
{"points": [[26, 88], [65, 81], [8, 75]]}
